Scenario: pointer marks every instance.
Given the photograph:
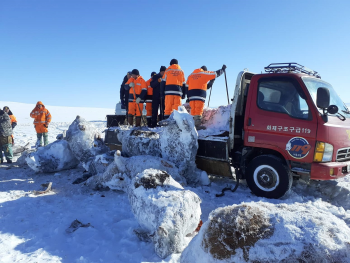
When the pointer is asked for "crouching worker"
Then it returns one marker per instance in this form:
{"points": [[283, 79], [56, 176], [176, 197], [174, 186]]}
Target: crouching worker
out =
{"points": [[42, 119], [197, 91], [5, 137], [137, 93]]}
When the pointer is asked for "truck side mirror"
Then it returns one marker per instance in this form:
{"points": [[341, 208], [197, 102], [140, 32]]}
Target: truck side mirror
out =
{"points": [[323, 98], [332, 109]]}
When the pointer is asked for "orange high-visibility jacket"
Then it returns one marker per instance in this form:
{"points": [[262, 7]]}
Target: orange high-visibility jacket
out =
{"points": [[149, 91], [13, 118], [140, 88], [173, 81], [41, 117], [197, 84]]}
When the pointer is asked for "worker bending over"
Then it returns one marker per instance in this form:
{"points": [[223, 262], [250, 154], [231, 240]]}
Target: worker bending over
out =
{"points": [[197, 91]]}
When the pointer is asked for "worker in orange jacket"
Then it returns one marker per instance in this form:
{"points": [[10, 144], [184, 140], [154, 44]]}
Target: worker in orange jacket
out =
{"points": [[148, 100], [42, 119], [172, 87], [197, 91], [137, 94], [13, 120]]}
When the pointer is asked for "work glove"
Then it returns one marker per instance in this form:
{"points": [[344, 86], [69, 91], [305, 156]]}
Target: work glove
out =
{"points": [[132, 84], [138, 100], [223, 67], [159, 80], [46, 126]]}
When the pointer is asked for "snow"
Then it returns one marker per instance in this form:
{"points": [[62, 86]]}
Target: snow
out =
{"points": [[119, 174], [216, 120], [85, 141], [58, 113], [271, 233], [33, 227], [54, 157], [176, 141], [165, 211]]}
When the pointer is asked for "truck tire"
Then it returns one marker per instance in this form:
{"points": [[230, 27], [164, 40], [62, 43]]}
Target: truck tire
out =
{"points": [[268, 176]]}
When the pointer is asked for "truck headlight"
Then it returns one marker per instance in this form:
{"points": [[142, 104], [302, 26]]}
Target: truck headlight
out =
{"points": [[323, 152]]}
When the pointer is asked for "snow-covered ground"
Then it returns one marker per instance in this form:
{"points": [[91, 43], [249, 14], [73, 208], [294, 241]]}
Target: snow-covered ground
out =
{"points": [[33, 227]]}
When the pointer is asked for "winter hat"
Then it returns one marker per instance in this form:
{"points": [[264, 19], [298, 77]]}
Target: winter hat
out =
{"points": [[162, 68], [129, 73], [174, 61], [204, 68], [153, 73], [6, 108], [135, 71]]}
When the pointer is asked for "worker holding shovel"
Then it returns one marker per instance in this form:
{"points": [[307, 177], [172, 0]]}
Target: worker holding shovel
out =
{"points": [[137, 92], [197, 91]]}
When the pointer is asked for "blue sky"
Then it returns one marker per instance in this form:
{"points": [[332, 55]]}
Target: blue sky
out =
{"points": [[76, 53]]}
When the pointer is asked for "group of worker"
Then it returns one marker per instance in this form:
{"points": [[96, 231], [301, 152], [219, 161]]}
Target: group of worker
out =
{"points": [[164, 91], [8, 122]]}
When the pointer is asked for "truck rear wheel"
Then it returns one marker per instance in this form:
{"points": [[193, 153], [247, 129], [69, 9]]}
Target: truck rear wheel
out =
{"points": [[268, 176]]}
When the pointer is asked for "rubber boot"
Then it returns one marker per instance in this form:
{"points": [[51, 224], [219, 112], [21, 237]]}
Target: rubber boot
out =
{"points": [[131, 120], [46, 138], [138, 121], [39, 141], [149, 122], [198, 121]]}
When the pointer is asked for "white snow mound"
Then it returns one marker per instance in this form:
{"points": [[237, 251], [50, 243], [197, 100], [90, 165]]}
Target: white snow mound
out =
{"points": [[165, 211], [85, 141], [54, 157], [264, 232], [122, 170], [176, 141]]}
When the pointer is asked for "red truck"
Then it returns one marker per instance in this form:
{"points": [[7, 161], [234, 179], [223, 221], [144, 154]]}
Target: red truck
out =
{"points": [[286, 123]]}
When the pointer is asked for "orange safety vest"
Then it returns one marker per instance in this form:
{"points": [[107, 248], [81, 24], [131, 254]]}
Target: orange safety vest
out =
{"points": [[13, 118], [149, 91], [197, 84], [41, 116], [140, 85], [174, 78]]}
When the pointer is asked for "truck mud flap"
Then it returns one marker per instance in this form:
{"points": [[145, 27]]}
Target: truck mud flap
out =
{"points": [[212, 166], [215, 148], [111, 140]]}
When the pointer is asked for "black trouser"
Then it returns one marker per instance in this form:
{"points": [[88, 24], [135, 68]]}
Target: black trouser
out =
{"points": [[155, 107], [156, 104], [124, 98]]}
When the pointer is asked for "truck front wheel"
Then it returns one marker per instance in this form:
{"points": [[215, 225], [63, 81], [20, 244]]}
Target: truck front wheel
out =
{"points": [[268, 176]]}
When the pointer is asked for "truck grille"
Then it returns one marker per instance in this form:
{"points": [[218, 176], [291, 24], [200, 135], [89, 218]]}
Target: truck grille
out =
{"points": [[343, 155]]}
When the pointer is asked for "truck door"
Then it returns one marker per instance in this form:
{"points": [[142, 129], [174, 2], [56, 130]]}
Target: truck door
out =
{"points": [[279, 118], [238, 107]]}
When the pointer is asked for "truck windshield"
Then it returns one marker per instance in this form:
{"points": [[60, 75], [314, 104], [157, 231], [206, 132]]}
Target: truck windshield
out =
{"points": [[313, 84]]}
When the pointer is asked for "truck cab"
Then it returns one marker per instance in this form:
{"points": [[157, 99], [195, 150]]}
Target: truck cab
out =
{"points": [[292, 124]]}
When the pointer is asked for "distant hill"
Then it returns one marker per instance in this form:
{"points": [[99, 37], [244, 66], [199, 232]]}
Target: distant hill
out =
{"points": [[58, 113]]}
